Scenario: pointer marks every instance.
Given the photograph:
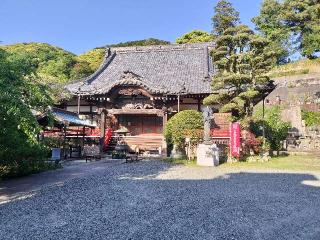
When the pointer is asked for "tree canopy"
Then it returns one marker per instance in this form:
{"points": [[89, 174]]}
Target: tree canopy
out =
{"points": [[144, 42], [270, 24], [21, 94], [242, 64], [54, 65], [225, 16], [94, 57], [294, 24], [195, 36]]}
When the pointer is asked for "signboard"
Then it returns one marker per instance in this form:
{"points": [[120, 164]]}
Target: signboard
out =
{"points": [[235, 139]]}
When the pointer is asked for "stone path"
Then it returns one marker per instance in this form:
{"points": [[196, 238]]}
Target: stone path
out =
{"points": [[156, 200], [21, 187]]}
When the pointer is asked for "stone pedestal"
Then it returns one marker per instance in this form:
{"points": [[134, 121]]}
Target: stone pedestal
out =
{"points": [[176, 153], [208, 155]]}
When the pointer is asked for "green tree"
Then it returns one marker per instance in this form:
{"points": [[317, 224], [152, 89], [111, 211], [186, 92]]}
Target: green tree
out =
{"points": [[195, 36], [311, 118], [225, 16], [276, 130], [242, 62], [94, 57], [271, 25], [303, 19], [184, 124], [80, 70], [20, 95], [144, 42], [52, 64], [292, 23]]}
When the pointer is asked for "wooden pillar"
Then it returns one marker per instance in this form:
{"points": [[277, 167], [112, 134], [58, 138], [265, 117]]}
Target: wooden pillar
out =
{"points": [[79, 100], [64, 141], [102, 129], [164, 123], [199, 104]]}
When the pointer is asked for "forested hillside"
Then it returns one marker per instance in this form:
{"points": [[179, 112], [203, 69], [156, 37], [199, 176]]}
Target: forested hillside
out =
{"points": [[56, 66]]}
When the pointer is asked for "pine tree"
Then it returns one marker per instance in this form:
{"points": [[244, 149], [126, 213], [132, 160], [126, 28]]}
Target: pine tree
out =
{"points": [[225, 16], [242, 61]]}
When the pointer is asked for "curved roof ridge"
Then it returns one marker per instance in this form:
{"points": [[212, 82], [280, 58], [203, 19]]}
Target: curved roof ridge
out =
{"points": [[163, 47], [108, 57], [133, 82]]}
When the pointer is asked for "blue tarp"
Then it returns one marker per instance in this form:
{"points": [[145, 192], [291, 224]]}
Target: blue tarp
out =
{"points": [[72, 118]]}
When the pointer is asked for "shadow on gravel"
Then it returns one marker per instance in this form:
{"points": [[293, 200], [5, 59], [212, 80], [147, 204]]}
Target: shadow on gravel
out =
{"points": [[128, 202]]}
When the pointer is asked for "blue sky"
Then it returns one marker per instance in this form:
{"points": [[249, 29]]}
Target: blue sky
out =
{"points": [[79, 25]]}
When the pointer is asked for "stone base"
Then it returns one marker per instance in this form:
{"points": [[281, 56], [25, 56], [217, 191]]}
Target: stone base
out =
{"points": [[208, 155]]}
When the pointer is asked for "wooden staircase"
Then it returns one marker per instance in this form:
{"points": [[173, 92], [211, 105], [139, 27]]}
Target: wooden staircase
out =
{"points": [[145, 142]]}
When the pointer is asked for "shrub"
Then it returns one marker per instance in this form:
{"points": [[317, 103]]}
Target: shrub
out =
{"points": [[29, 161], [276, 130], [184, 124], [311, 118]]}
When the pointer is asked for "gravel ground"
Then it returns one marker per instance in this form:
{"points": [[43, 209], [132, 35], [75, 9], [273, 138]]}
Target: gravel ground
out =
{"points": [[155, 200]]}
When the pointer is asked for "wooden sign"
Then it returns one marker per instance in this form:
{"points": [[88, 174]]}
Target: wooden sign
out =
{"points": [[235, 143]]}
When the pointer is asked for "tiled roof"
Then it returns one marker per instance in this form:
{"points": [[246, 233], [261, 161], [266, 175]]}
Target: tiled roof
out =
{"points": [[167, 69]]}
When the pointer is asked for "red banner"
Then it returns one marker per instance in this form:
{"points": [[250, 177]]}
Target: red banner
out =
{"points": [[235, 139]]}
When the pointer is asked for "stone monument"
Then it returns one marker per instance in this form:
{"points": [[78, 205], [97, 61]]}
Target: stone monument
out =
{"points": [[207, 152]]}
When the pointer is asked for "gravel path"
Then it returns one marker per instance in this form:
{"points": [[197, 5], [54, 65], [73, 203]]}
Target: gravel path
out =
{"points": [[155, 200]]}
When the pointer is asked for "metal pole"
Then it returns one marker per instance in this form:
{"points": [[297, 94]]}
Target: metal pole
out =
{"points": [[178, 102]]}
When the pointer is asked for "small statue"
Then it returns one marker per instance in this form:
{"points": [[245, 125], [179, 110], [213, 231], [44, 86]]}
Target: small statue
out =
{"points": [[207, 115]]}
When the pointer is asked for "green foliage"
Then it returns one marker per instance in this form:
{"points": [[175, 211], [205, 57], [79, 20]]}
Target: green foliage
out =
{"points": [[291, 24], [305, 66], [270, 24], [195, 36], [145, 42], [21, 93], [184, 124], [94, 57], [225, 16], [53, 65], [311, 118], [276, 130], [26, 167], [242, 61]]}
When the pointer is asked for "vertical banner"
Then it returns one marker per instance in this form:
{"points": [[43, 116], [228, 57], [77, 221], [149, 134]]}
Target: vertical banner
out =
{"points": [[235, 139]]}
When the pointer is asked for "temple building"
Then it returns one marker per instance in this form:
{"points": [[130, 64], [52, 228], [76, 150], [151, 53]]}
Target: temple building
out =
{"points": [[139, 88]]}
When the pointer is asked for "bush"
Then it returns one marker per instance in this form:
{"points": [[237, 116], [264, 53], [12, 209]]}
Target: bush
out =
{"points": [[184, 124], [276, 130], [25, 167], [311, 118], [29, 161]]}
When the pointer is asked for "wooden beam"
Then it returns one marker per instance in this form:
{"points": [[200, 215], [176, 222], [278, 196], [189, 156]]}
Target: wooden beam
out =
{"points": [[102, 129], [157, 112]]}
